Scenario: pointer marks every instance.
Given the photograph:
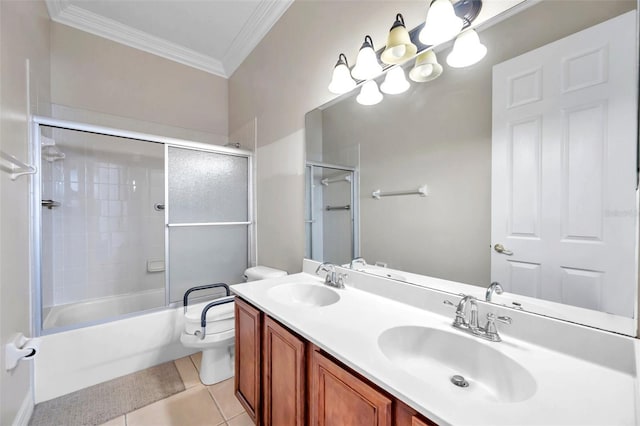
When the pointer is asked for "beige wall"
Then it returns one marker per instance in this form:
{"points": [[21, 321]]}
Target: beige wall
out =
{"points": [[97, 80], [24, 34], [284, 77]]}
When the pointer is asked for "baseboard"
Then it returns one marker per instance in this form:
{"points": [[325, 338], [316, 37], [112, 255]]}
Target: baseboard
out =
{"points": [[26, 410]]}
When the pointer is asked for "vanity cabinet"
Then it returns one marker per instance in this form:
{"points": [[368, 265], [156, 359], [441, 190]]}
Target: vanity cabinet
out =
{"points": [[282, 379]]}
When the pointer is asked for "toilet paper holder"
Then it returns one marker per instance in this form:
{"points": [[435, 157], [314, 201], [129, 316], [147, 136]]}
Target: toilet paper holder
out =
{"points": [[20, 348]]}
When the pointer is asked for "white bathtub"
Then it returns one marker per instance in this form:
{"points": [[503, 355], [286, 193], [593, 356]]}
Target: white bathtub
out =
{"points": [[102, 309], [71, 360]]}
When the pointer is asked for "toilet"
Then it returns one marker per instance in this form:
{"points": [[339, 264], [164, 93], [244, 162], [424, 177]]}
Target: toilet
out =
{"points": [[218, 344]]}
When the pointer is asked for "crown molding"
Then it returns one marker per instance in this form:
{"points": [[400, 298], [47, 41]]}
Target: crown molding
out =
{"points": [[63, 12], [253, 31]]}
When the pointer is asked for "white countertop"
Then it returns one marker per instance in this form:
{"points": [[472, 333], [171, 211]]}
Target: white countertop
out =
{"points": [[569, 389]]}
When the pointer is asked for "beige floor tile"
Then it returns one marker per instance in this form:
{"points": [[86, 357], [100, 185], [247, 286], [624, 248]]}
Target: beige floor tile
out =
{"points": [[193, 407], [188, 372], [223, 393], [118, 421], [196, 359], [241, 420]]}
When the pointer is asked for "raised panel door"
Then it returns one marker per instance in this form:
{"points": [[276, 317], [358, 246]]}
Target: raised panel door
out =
{"points": [[338, 398], [283, 374], [248, 321]]}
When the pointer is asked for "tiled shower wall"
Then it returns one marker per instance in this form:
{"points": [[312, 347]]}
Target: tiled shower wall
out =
{"points": [[98, 241]]}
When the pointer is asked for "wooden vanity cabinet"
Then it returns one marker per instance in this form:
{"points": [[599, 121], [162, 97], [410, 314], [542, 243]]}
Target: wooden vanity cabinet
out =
{"points": [[248, 321], [281, 380], [283, 376]]}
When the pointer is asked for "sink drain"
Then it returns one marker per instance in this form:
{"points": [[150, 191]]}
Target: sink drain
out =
{"points": [[459, 381]]}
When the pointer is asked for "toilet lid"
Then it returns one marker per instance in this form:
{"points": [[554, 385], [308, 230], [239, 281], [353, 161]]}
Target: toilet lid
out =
{"points": [[217, 313]]}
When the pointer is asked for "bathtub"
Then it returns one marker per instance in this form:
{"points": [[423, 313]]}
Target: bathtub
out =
{"points": [[75, 359], [93, 310]]}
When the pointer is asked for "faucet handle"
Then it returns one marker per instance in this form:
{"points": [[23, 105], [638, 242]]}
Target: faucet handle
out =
{"points": [[504, 319], [341, 280]]}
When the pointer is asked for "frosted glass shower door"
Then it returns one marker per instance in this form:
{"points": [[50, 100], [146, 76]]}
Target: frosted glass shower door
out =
{"points": [[208, 218]]}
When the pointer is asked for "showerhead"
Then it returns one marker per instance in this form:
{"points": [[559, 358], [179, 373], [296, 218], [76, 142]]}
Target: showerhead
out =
{"points": [[50, 151]]}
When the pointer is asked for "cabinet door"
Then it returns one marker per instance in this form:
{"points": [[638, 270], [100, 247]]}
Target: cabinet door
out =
{"points": [[338, 398], [407, 416], [283, 375], [248, 345]]}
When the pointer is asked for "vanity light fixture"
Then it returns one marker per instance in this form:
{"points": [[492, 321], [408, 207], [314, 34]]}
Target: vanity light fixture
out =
{"points": [[399, 46], [395, 82], [369, 94], [467, 50], [426, 67], [442, 24], [367, 65], [341, 81]]}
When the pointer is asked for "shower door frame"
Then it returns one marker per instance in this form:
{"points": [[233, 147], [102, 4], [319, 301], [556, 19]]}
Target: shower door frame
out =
{"points": [[36, 208]]}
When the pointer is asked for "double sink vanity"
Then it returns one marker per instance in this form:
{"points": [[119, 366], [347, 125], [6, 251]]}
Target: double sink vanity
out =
{"points": [[383, 352]]}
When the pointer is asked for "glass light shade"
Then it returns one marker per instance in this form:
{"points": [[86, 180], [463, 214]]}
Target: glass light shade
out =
{"points": [[399, 47], [367, 65], [467, 50], [426, 67], [369, 94], [341, 81], [442, 23], [395, 82]]}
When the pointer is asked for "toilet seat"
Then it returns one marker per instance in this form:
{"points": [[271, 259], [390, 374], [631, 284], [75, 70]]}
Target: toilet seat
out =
{"points": [[220, 318], [213, 339]]}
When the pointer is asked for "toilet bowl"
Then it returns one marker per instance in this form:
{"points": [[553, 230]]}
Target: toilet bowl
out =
{"points": [[217, 346]]}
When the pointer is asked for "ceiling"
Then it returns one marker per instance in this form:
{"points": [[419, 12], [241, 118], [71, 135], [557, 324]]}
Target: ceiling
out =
{"points": [[212, 35]]}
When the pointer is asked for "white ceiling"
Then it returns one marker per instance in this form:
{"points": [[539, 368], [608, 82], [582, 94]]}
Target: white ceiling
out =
{"points": [[211, 35]]}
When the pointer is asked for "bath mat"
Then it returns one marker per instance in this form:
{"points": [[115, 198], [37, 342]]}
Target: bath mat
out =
{"points": [[105, 401]]}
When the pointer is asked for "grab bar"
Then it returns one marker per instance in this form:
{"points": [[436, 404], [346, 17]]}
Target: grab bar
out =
{"points": [[185, 299], [203, 316]]}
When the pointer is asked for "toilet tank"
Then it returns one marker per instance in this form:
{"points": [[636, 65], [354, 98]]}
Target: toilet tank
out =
{"points": [[262, 273]]}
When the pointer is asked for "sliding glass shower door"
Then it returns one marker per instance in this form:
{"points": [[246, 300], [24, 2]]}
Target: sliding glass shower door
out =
{"points": [[208, 218]]}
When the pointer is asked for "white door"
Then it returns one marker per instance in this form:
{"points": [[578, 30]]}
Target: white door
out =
{"points": [[564, 169]]}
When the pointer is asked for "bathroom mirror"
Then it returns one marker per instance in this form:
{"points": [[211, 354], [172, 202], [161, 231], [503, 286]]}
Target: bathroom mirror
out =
{"points": [[528, 160]]}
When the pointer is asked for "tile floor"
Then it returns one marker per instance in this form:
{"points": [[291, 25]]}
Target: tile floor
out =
{"points": [[197, 405]]}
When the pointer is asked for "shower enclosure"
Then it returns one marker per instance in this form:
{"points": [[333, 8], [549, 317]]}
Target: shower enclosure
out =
{"points": [[125, 222], [331, 212]]}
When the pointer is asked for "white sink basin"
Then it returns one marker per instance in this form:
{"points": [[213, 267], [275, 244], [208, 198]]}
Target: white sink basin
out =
{"points": [[435, 356], [303, 294]]}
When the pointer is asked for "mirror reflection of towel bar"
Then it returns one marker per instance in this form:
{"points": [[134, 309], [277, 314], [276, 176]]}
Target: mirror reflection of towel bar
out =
{"points": [[422, 191], [332, 208]]}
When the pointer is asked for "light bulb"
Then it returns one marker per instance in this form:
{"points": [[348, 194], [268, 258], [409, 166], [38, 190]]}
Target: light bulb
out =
{"points": [[426, 67], [395, 82], [341, 81], [467, 50], [369, 94], [399, 46], [442, 23], [367, 65]]}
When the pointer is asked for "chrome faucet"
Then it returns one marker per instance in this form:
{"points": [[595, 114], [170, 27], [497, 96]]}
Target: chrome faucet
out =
{"points": [[471, 325], [496, 288], [357, 261], [332, 278]]}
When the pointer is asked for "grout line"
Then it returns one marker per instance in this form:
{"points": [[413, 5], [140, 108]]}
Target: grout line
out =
{"points": [[215, 403]]}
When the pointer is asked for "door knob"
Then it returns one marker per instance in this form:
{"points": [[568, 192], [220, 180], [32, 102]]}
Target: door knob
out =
{"points": [[500, 249]]}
